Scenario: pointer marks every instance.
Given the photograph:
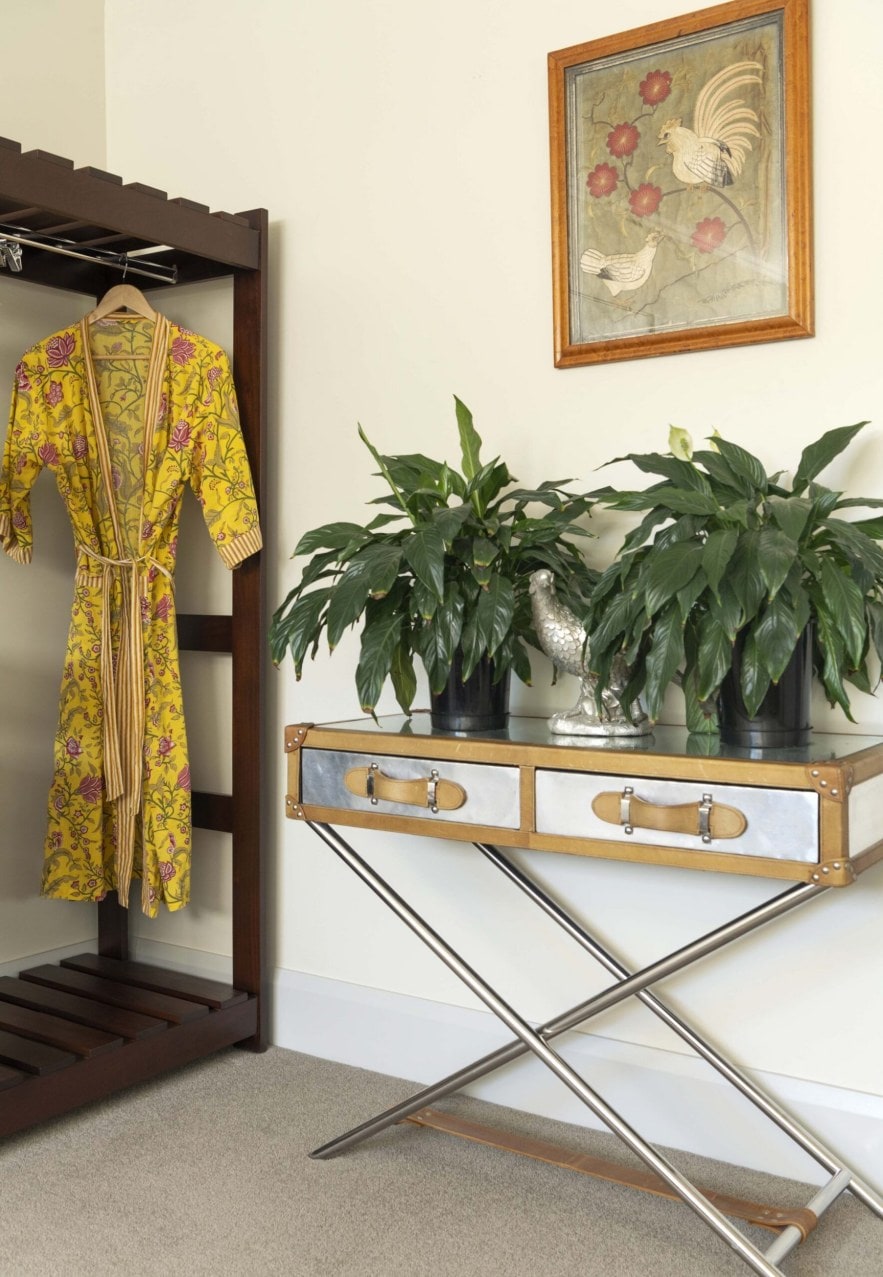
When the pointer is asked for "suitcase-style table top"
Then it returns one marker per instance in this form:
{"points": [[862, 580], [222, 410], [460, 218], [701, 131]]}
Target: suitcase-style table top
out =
{"points": [[809, 814]]}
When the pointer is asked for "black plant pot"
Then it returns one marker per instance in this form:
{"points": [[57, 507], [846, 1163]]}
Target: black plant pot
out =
{"points": [[782, 721], [476, 705]]}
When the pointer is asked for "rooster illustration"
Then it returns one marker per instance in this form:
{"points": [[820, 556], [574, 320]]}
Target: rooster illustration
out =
{"points": [[622, 272], [713, 152]]}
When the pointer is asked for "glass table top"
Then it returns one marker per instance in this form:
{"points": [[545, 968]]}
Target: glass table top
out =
{"points": [[664, 739]]}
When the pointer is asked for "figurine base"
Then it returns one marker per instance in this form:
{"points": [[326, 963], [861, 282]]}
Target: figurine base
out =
{"points": [[576, 723]]}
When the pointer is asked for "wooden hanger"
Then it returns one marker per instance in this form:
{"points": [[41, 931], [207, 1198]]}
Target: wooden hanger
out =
{"points": [[122, 295]]}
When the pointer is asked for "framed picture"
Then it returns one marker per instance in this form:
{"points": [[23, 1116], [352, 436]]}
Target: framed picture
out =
{"points": [[681, 185]]}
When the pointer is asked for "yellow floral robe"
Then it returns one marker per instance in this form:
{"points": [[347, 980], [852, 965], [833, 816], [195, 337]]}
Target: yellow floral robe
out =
{"points": [[125, 412]]}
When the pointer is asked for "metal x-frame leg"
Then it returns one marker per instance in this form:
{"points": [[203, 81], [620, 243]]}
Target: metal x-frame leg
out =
{"points": [[627, 985]]}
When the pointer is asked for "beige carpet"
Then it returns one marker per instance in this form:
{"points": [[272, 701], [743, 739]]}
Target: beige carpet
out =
{"points": [[206, 1172]]}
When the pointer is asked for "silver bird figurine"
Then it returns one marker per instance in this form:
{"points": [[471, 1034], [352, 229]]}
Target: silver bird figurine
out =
{"points": [[562, 637]]}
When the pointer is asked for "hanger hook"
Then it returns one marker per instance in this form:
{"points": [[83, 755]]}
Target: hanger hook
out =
{"points": [[125, 265]]}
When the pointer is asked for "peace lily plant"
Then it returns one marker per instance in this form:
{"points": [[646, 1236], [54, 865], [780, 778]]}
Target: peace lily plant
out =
{"points": [[724, 549], [445, 571]]}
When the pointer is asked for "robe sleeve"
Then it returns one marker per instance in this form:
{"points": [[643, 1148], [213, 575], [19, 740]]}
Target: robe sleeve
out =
{"points": [[25, 454], [220, 474]]}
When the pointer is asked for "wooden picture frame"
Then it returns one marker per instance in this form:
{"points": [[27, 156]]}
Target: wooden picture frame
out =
{"points": [[666, 239]]}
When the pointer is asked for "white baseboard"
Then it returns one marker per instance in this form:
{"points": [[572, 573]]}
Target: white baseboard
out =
{"points": [[672, 1099], [40, 959]]}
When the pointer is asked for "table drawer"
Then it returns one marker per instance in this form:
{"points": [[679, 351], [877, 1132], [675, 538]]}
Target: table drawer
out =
{"points": [[468, 793], [779, 824]]}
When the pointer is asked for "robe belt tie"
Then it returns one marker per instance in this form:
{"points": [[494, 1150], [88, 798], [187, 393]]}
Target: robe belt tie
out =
{"points": [[122, 698]]}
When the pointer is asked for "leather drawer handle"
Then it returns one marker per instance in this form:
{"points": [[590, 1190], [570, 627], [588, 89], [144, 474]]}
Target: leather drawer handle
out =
{"points": [[432, 792], [707, 819]]}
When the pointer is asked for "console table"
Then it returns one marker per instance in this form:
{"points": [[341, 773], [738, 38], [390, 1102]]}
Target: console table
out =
{"points": [[809, 817]]}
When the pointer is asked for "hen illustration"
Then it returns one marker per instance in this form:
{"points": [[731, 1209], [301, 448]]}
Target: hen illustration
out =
{"points": [[713, 152], [622, 272]]}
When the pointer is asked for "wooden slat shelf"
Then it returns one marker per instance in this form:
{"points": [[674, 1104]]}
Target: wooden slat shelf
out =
{"points": [[86, 1028], [113, 992], [130, 1025]]}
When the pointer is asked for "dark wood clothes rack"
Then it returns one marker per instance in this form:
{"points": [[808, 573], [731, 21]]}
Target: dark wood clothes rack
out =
{"points": [[97, 1023]]}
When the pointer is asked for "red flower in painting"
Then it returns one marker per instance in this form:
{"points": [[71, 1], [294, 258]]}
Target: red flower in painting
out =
{"points": [[21, 377], [18, 520], [184, 779], [48, 454], [655, 87], [622, 140], [73, 748], [645, 200], [59, 350], [90, 788], [165, 746], [182, 350], [180, 436], [214, 376], [167, 871], [54, 394], [709, 234], [164, 607], [80, 446], [602, 180]]}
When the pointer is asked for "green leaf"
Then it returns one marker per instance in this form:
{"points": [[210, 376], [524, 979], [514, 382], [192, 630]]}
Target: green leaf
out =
{"points": [[714, 658], [776, 636], [667, 571], [450, 520], [664, 657], [717, 553], [470, 442], [403, 677], [614, 623], [677, 471], [791, 514], [380, 637], [871, 527], [814, 458], [727, 610], [726, 483], [855, 542], [384, 470], [299, 628], [874, 612], [348, 600], [439, 640], [639, 535], [496, 606], [744, 465], [755, 680], [331, 536], [845, 604], [833, 651], [689, 593], [425, 552], [745, 576], [776, 555]]}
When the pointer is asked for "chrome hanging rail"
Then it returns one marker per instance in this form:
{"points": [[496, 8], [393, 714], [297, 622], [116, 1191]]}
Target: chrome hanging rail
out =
{"points": [[13, 238]]}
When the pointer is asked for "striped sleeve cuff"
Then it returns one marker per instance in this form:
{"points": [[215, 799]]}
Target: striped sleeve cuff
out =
{"points": [[9, 542], [239, 548]]}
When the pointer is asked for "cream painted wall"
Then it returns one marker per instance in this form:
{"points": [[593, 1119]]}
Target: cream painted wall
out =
{"points": [[51, 103], [402, 152]]}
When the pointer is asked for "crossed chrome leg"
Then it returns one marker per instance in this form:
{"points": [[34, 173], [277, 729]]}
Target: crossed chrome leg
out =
{"points": [[637, 984]]}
